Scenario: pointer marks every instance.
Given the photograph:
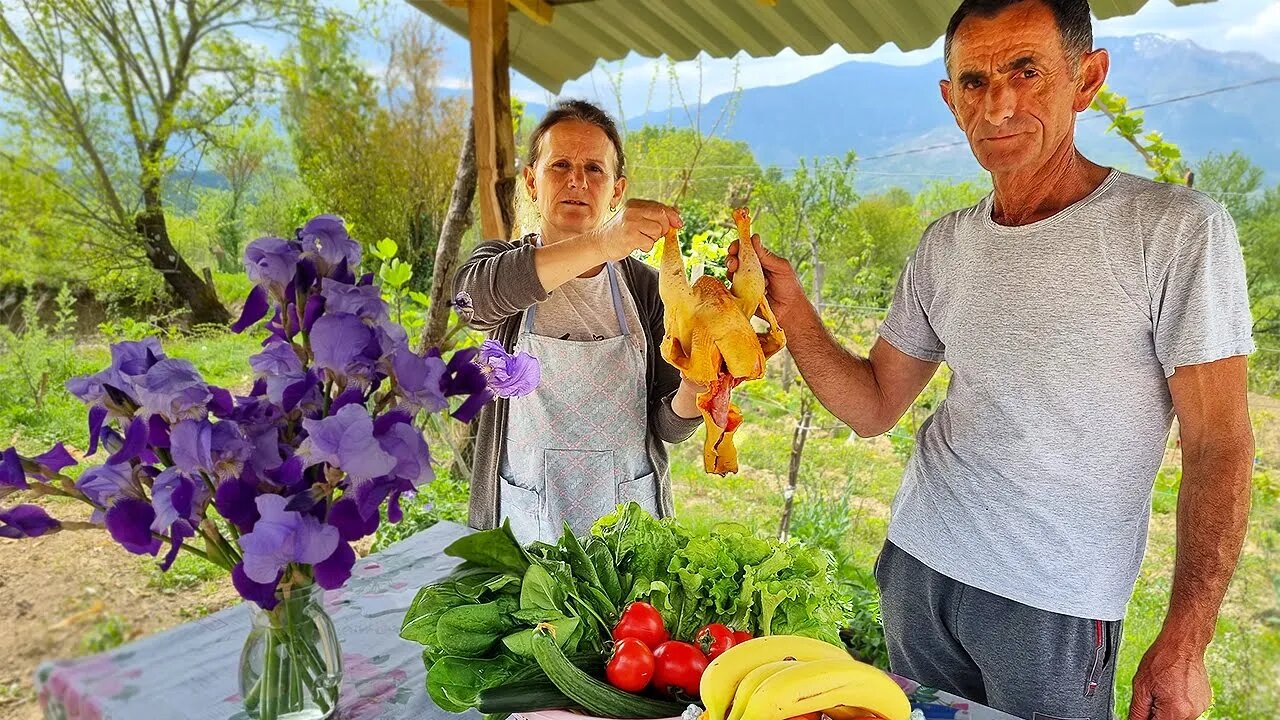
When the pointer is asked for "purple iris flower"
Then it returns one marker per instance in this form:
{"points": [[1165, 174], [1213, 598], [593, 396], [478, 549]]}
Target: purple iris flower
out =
{"points": [[463, 376], [419, 379], [129, 362], [11, 472], [325, 241], [281, 537], [26, 521], [129, 521], [279, 365], [364, 302], [264, 594], [345, 346], [509, 375], [105, 483], [345, 441], [174, 390], [272, 262], [402, 441]]}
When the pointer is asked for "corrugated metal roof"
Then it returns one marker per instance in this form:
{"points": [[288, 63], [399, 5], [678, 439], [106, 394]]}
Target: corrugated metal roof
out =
{"points": [[582, 33]]}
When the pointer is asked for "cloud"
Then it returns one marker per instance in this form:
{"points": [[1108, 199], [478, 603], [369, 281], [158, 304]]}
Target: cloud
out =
{"points": [[1266, 26]]}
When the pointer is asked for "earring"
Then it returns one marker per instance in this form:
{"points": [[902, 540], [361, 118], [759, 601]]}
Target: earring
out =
{"points": [[613, 208]]}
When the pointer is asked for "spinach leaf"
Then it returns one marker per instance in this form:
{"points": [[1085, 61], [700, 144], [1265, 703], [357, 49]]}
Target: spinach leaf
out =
{"points": [[566, 631], [423, 617], [455, 683], [470, 630], [496, 549], [606, 569], [538, 591]]}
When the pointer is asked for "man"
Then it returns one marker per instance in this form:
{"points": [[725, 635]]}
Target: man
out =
{"points": [[1078, 308]]}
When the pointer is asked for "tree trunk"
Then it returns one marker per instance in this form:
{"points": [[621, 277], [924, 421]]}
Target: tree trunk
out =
{"points": [[798, 440], [456, 222], [187, 287], [801, 434]]}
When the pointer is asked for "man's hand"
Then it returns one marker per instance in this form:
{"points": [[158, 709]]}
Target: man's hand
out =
{"points": [[782, 285], [1171, 683]]}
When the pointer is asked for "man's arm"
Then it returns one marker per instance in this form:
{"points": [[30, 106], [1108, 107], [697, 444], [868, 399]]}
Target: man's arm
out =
{"points": [[1213, 509], [868, 394]]}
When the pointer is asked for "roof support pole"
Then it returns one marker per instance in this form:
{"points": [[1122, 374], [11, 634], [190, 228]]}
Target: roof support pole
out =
{"points": [[491, 108]]}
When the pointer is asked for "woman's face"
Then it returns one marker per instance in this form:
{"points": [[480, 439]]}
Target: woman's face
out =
{"points": [[575, 180]]}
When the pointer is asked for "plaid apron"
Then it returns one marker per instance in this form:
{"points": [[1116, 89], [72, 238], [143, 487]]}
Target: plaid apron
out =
{"points": [[576, 445]]}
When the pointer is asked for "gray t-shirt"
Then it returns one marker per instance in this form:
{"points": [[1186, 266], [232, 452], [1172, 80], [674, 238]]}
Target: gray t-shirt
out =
{"points": [[1033, 478]]}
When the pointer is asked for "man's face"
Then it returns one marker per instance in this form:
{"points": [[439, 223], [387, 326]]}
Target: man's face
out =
{"points": [[1013, 88]]}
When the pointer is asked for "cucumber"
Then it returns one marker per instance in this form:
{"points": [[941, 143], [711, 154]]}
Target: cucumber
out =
{"points": [[598, 698], [527, 696]]}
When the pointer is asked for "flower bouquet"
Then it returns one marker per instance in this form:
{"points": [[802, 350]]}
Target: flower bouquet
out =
{"points": [[273, 485]]}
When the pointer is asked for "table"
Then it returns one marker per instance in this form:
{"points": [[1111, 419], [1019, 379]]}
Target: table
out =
{"points": [[189, 672]]}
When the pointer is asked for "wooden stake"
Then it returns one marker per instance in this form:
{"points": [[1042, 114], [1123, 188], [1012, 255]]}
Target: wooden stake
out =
{"points": [[494, 133]]}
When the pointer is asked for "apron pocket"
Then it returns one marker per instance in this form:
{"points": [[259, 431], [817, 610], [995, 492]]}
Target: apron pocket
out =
{"points": [[579, 488], [642, 491], [523, 507]]}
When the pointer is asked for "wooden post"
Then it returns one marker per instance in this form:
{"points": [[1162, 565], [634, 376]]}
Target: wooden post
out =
{"points": [[494, 133]]}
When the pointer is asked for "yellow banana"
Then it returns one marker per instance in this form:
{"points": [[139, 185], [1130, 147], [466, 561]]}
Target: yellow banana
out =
{"points": [[824, 684], [721, 678], [752, 681]]}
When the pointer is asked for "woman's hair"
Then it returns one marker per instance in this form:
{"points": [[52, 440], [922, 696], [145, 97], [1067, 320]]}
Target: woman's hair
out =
{"points": [[582, 111]]}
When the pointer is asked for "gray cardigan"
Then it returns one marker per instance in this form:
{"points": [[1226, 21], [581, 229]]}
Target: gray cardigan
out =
{"points": [[502, 282]]}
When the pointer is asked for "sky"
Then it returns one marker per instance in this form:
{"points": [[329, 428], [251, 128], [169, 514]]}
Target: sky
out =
{"points": [[1244, 25]]}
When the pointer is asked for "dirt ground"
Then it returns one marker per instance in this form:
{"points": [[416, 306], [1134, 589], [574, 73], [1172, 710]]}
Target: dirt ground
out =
{"points": [[54, 590]]}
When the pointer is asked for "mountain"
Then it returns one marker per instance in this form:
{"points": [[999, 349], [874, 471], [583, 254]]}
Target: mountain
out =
{"points": [[887, 114]]}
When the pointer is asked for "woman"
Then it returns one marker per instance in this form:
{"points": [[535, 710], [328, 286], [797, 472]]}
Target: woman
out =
{"points": [[591, 435]]}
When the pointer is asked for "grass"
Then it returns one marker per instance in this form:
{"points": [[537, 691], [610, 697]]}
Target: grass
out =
{"points": [[108, 632], [187, 572]]}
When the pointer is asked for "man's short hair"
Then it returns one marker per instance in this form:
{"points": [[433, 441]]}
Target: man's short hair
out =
{"points": [[1074, 24]]}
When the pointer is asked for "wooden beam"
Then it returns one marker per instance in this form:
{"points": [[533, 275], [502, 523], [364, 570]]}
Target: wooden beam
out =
{"points": [[538, 11], [491, 108]]}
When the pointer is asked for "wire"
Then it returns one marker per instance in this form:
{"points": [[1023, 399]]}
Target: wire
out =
{"points": [[1168, 101]]}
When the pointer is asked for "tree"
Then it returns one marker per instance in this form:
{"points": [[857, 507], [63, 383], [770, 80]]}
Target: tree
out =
{"points": [[1232, 180], [112, 94], [242, 154], [380, 155]]}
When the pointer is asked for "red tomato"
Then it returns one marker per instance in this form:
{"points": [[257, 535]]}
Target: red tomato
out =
{"points": [[641, 621], [714, 639], [740, 636], [678, 668], [630, 666]]}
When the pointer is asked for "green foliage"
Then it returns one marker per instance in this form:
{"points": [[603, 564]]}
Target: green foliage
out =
{"points": [[110, 631], [106, 143], [394, 274], [1163, 157], [683, 166], [386, 164], [187, 571], [36, 359]]}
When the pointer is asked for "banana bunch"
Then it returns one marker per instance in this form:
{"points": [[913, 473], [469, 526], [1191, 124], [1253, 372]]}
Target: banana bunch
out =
{"points": [[785, 676]]}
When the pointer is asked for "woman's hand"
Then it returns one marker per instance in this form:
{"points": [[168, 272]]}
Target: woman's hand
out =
{"points": [[640, 224], [685, 402]]}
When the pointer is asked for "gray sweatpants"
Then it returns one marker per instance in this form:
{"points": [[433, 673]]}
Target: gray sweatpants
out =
{"points": [[1030, 663]]}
